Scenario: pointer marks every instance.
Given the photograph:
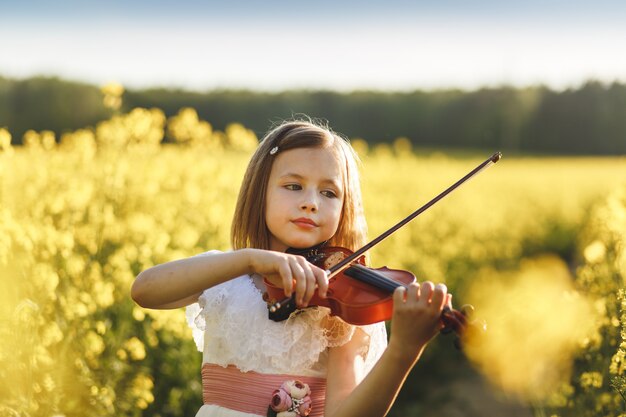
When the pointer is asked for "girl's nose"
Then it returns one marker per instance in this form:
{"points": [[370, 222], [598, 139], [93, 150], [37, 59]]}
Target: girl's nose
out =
{"points": [[309, 203], [309, 206]]}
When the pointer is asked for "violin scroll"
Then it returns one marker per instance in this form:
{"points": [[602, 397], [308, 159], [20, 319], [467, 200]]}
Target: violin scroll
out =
{"points": [[463, 323]]}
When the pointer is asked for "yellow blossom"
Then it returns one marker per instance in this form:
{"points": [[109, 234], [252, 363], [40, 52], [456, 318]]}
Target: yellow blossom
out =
{"points": [[135, 348], [595, 252], [112, 92], [5, 142], [240, 138]]}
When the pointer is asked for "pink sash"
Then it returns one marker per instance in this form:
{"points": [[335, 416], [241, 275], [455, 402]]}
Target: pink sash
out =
{"points": [[251, 392]]}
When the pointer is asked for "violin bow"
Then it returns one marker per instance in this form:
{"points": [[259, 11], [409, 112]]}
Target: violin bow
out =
{"points": [[343, 264]]}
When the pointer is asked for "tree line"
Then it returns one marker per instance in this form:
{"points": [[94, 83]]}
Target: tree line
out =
{"points": [[587, 120]]}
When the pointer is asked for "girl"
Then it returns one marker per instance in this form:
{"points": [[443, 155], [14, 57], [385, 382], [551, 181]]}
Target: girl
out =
{"points": [[301, 189]]}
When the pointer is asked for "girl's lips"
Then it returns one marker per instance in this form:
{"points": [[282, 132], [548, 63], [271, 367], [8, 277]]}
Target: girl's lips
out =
{"points": [[304, 222]]}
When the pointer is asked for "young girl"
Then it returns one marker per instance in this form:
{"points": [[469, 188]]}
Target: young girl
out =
{"points": [[301, 189]]}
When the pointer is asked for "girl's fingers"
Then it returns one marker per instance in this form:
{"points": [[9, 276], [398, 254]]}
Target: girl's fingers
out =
{"points": [[426, 292], [310, 282], [322, 280], [439, 296], [449, 300], [313, 278], [287, 279], [398, 296], [413, 292], [295, 274], [300, 278]]}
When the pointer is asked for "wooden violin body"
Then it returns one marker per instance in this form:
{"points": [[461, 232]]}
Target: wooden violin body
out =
{"points": [[350, 295], [358, 295]]}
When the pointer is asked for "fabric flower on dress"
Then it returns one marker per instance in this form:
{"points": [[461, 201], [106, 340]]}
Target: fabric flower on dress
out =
{"points": [[292, 399]]}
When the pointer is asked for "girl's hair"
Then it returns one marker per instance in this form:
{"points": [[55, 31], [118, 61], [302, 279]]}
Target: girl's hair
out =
{"points": [[249, 229]]}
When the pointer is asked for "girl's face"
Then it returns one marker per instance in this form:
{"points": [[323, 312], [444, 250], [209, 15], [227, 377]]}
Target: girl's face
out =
{"points": [[304, 198]]}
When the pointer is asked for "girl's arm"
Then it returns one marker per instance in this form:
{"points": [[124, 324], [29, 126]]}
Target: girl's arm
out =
{"points": [[415, 321], [179, 283]]}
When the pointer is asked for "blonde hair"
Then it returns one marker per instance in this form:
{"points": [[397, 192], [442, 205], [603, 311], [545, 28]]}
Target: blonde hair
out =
{"points": [[249, 229]]}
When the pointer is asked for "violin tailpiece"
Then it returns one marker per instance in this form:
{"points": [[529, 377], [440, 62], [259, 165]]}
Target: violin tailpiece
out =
{"points": [[281, 311]]}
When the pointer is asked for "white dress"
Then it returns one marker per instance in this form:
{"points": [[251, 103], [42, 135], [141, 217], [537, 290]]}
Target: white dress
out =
{"points": [[231, 327]]}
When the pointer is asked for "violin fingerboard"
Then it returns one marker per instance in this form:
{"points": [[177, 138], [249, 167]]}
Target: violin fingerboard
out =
{"points": [[372, 278]]}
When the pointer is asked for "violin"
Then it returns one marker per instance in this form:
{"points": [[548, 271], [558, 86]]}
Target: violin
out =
{"points": [[361, 295]]}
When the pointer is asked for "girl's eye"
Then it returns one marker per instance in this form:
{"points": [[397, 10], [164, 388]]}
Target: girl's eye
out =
{"points": [[329, 194], [293, 187]]}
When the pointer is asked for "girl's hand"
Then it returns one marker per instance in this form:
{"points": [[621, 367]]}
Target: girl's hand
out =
{"points": [[290, 272], [416, 316]]}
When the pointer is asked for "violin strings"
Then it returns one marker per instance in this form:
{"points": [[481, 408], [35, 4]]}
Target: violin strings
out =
{"points": [[372, 278]]}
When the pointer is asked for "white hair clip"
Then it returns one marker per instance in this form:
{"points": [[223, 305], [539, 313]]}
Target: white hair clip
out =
{"points": [[274, 150]]}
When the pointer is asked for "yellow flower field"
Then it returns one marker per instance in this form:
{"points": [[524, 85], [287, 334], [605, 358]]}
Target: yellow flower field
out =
{"points": [[80, 219]]}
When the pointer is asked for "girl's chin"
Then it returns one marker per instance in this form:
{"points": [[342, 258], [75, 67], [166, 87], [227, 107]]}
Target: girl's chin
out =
{"points": [[301, 245], [297, 244]]}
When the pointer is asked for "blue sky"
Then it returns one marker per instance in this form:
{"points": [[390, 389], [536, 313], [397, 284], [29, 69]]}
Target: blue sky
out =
{"points": [[341, 45]]}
